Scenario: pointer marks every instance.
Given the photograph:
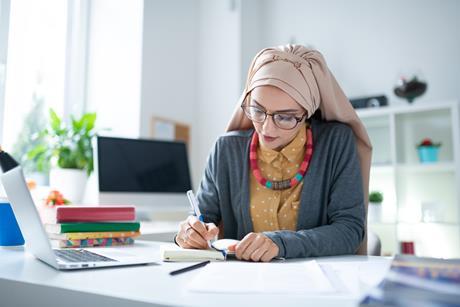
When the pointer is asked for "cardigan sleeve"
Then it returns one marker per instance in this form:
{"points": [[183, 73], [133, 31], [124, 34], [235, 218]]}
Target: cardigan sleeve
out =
{"points": [[344, 230], [208, 195]]}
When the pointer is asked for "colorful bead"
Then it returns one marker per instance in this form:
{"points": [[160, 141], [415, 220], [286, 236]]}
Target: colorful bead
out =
{"points": [[283, 184]]}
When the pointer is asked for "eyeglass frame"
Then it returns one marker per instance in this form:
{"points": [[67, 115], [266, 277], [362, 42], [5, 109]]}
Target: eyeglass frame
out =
{"points": [[298, 119]]}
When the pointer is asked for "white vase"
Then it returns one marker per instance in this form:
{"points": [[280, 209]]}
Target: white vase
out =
{"points": [[374, 212], [70, 182]]}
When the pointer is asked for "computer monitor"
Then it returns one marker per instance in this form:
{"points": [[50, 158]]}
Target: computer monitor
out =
{"points": [[151, 174]]}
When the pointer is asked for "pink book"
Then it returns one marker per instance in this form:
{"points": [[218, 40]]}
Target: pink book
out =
{"points": [[74, 213]]}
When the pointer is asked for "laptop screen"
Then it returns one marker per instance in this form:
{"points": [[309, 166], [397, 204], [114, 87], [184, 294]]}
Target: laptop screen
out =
{"points": [[141, 165]]}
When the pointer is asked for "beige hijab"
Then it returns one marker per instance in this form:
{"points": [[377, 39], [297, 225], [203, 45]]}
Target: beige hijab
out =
{"points": [[303, 74]]}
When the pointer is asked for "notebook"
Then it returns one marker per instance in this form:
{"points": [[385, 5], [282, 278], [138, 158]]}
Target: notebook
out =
{"points": [[218, 252]]}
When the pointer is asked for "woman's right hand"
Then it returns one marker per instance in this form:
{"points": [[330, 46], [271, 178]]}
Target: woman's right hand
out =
{"points": [[195, 234]]}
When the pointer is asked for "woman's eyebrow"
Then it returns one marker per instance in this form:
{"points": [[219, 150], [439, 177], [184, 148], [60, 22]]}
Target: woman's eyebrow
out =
{"points": [[278, 111]]}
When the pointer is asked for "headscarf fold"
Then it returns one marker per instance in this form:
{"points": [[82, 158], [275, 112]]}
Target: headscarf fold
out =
{"points": [[302, 73]]}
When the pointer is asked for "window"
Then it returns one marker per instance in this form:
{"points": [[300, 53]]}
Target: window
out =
{"points": [[42, 55]]}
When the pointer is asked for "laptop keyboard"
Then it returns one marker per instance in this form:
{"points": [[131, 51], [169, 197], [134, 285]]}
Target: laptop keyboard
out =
{"points": [[80, 255]]}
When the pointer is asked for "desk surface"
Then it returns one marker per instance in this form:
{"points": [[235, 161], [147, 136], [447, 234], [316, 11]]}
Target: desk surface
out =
{"points": [[26, 280]]}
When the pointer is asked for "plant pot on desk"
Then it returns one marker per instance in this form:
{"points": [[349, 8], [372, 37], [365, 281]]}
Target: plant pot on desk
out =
{"points": [[70, 182], [374, 212]]}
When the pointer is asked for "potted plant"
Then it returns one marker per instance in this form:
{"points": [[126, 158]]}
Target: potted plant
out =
{"points": [[69, 148], [428, 151], [374, 211]]}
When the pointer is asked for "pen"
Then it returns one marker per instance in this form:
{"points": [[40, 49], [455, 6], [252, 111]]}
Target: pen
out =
{"points": [[196, 210], [189, 268], [194, 204]]}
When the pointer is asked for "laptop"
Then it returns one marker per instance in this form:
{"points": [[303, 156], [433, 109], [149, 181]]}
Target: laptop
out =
{"points": [[38, 243]]}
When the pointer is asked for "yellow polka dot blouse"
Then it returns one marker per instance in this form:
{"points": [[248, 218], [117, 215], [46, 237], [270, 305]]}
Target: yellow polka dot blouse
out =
{"points": [[271, 209]]}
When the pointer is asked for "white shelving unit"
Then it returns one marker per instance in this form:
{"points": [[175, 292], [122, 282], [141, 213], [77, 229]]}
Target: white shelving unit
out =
{"points": [[421, 201]]}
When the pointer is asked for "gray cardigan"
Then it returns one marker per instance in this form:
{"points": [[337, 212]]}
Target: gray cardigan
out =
{"points": [[331, 214]]}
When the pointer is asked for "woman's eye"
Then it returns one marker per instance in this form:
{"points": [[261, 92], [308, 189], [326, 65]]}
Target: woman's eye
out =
{"points": [[256, 112], [285, 117]]}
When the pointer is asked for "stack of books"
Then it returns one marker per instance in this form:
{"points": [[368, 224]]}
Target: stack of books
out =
{"points": [[91, 226], [417, 281]]}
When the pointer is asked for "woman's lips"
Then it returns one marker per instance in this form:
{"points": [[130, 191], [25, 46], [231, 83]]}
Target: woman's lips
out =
{"points": [[269, 139]]}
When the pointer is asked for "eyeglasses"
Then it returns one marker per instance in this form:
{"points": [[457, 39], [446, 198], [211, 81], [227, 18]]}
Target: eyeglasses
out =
{"points": [[283, 121]]}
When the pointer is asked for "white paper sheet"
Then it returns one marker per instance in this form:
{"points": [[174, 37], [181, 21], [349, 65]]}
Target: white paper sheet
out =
{"points": [[246, 277]]}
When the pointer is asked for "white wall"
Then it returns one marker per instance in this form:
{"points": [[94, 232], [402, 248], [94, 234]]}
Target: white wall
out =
{"points": [[368, 42], [187, 60], [4, 27], [169, 67], [219, 71], [114, 65], [252, 33]]}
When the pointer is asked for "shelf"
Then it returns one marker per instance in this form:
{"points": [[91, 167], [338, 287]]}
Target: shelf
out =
{"points": [[442, 224], [437, 167], [421, 199], [385, 167], [415, 224], [370, 223], [409, 108]]}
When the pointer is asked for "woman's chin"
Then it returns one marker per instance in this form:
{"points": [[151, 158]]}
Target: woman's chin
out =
{"points": [[271, 145]]}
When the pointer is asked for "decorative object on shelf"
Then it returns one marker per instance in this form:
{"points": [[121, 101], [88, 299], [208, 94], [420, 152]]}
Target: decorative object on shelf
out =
{"points": [[407, 247], [369, 102], [374, 210], [55, 198], [69, 147], [410, 87], [428, 151]]}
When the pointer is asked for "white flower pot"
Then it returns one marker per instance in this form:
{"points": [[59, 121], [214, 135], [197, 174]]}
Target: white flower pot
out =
{"points": [[70, 182], [374, 212]]}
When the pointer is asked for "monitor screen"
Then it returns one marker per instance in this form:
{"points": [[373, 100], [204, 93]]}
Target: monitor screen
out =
{"points": [[141, 165]]}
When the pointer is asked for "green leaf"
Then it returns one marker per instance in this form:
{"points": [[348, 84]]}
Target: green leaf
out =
{"points": [[69, 143], [76, 125], [88, 121], [55, 121]]}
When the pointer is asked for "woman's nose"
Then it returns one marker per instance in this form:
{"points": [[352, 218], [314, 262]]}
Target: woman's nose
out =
{"points": [[269, 124]]}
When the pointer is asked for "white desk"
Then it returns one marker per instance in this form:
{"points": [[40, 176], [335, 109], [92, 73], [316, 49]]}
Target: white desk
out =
{"points": [[163, 231], [26, 281]]}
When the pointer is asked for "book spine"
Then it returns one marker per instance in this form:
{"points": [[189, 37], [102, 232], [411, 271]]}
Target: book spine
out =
{"points": [[93, 235], [93, 242], [91, 227], [69, 214]]}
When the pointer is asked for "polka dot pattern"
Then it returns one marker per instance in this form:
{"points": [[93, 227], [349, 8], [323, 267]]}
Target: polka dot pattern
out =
{"points": [[277, 209]]}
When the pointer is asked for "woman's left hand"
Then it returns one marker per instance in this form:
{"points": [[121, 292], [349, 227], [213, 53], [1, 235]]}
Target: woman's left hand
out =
{"points": [[256, 247]]}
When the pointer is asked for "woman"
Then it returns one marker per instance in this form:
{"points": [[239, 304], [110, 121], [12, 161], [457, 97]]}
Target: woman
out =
{"points": [[281, 181]]}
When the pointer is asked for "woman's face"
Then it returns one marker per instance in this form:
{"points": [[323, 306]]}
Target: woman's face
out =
{"points": [[273, 100]]}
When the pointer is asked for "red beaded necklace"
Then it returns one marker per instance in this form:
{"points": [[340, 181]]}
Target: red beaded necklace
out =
{"points": [[283, 184]]}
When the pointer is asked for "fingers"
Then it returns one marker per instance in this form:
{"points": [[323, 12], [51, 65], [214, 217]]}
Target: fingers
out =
{"points": [[188, 236], [194, 234], [258, 253], [213, 231], [256, 247], [198, 226], [231, 248], [257, 240]]}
